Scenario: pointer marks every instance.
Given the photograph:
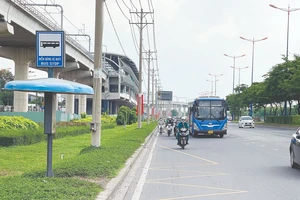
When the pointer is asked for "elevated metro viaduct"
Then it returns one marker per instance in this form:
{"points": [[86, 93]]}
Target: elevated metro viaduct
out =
{"points": [[18, 25]]}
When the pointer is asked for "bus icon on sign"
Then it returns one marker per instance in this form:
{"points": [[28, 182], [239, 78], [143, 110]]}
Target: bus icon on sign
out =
{"points": [[53, 44]]}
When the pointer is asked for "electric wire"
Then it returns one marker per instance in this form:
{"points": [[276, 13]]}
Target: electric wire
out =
{"points": [[132, 4], [148, 38], [126, 4], [151, 14], [122, 11], [136, 46], [114, 28], [151, 4]]}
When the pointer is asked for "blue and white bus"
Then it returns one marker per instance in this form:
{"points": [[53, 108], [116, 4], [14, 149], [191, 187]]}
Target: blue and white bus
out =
{"points": [[208, 116]]}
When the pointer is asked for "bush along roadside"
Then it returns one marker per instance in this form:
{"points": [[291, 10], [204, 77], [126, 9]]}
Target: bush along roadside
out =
{"points": [[77, 174], [16, 131]]}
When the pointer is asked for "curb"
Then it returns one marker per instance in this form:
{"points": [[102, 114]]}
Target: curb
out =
{"points": [[288, 126], [113, 185]]}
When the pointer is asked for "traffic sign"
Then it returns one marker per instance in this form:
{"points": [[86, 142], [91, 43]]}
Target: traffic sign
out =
{"points": [[165, 95], [50, 49]]}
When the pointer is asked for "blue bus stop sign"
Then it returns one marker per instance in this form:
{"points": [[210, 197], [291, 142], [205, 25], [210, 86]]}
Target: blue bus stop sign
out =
{"points": [[50, 49]]}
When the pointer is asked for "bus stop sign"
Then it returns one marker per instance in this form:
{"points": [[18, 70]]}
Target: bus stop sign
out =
{"points": [[50, 49]]}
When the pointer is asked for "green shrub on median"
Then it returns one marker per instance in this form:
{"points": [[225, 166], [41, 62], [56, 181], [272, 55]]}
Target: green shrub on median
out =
{"points": [[15, 137], [17, 123], [292, 120]]}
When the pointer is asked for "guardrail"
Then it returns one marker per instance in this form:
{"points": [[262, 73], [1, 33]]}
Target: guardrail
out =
{"points": [[50, 24]]}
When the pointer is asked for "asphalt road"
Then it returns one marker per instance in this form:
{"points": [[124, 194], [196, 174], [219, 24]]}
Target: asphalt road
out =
{"points": [[246, 164]]}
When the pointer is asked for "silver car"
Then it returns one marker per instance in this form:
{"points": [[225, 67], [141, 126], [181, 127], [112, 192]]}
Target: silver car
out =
{"points": [[246, 121], [295, 150]]}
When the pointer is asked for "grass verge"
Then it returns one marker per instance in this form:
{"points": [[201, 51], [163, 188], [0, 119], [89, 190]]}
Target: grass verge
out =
{"points": [[78, 167]]}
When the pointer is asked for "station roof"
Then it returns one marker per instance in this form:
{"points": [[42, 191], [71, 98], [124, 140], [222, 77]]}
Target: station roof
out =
{"points": [[49, 85], [128, 61]]}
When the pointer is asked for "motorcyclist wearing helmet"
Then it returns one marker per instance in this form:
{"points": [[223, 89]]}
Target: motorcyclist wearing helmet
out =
{"points": [[181, 124], [161, 122], [169, 121], [160, 125]]}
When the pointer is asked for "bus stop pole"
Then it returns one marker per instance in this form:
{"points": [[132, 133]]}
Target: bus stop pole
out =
{"points": [[49, 127]]}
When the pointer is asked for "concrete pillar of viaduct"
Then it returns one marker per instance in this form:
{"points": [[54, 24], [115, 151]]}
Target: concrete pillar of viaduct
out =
{"points": [[74, 76], [21, 57]]}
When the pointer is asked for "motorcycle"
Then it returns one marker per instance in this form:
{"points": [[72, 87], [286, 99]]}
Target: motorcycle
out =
{"points": [[160, 129], [175, 130], [183, 136], [169, 129]]}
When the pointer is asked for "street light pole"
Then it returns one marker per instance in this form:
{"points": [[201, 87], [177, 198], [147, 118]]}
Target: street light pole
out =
{"points": [[212, 86], [288, 10], [240, 68], [253, 42], [234, 57], [215, 75]]}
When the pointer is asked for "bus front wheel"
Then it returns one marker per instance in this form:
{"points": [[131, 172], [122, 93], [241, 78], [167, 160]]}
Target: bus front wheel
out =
{"points": [[221, 135]]}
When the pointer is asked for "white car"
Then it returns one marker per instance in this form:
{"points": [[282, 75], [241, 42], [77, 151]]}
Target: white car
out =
{"points": [[246, 121]]}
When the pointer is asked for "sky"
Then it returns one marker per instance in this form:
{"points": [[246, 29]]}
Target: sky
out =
{"points": [[191, 38]]}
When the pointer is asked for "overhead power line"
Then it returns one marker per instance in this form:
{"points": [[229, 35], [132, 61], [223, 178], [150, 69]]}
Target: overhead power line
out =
{"points": [[151, 9], [132, 4], [125, 4], [114, 28], [122, 11]]}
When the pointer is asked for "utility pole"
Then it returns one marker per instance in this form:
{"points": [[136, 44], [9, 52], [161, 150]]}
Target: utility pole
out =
{"points": [[97, 82], [153, 93], [149, 59], [140, 25], [156, 94]]}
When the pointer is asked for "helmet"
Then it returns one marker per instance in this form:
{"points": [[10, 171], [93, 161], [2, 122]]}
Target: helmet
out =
{"points": [[183, 118]]}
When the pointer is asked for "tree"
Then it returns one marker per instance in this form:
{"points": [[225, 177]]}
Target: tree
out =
{"points": [[126, 116], [6, 97], [174, 112]]}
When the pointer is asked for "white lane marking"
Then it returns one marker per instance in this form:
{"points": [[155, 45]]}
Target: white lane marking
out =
{"points": [[141, 182], [190, 155], [245, 140], [238, 138], [276, 149], [263, 145], [253, 142]]}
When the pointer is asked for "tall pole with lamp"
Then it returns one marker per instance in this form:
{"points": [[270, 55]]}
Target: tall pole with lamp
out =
{"points": [[288, 10], [233, 76], [253, 42], [212, 86], [216, 75], [240, 68]]}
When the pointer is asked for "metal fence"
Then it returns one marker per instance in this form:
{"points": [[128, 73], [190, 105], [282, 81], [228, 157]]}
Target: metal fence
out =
{"points": [[49, 24]]}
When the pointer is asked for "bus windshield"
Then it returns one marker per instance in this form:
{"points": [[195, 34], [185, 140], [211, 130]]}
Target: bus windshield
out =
{"points": [[207, 110]]}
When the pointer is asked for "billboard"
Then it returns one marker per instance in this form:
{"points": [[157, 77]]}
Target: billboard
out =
{"points": [[165, 95]]}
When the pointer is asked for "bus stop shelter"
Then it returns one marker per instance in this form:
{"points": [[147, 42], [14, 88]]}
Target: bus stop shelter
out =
{"points": [[51, 87]]}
